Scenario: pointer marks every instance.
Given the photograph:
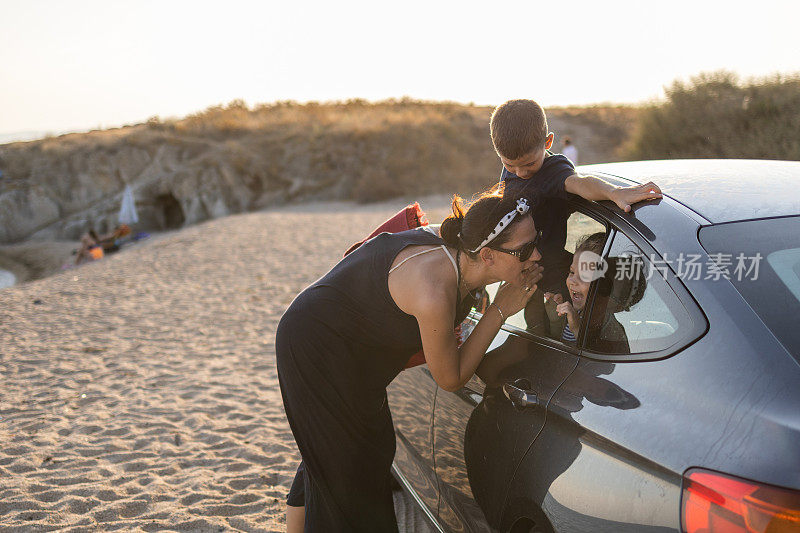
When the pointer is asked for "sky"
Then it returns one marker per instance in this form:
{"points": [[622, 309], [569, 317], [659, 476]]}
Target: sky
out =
{"points": [[71, 65]]}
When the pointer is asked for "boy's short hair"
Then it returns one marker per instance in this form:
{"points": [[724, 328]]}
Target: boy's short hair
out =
{"points": [[518, 127]]}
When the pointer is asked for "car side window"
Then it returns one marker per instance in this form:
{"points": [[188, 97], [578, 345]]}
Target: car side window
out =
{"points": [[634, 309], [542, 318]]}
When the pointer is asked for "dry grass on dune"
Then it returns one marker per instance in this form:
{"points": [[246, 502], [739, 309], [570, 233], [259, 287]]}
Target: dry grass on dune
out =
{"points": [[391, 148], [355, 150]]}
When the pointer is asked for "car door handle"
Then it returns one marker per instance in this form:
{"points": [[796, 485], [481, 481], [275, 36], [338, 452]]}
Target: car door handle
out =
{"points": [[519, 393]]}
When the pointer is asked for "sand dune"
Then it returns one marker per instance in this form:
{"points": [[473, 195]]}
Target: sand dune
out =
{"points": [[139, 392]]}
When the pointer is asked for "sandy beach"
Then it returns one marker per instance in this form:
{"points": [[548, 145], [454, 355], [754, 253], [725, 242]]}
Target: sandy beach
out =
{"points": [[139, 392]]}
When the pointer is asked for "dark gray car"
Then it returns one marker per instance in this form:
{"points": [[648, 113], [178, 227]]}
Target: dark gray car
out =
{"points": [[690, 421]]}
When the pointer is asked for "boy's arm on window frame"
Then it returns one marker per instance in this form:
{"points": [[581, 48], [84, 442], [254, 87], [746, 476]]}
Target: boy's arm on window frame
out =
{"points": [[594, 188], [589, 187]]}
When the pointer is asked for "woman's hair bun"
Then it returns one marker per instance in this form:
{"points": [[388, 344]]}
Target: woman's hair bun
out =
{"points": [[452, 225], [472, 222]]}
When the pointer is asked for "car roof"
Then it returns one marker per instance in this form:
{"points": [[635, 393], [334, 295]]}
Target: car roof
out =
{"points": [[719, 190]]}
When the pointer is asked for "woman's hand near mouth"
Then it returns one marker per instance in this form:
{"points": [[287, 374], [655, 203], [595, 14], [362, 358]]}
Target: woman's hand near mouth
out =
{"points": [[530, 276], [512, 297]]}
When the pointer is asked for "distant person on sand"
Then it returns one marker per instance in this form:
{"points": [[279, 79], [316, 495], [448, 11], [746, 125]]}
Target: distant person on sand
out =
{"points": [[113, 241], [570, 151], [110, 242], [90, 250], [344, 339]]}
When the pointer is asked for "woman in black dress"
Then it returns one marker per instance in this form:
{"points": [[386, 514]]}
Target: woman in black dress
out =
{"points": [[344, 338]]}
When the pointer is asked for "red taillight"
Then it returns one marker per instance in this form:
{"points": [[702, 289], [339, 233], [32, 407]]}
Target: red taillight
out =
{"points": [[717, 503]]}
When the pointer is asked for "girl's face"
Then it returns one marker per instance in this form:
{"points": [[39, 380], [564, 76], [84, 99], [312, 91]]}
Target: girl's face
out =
{"points": [[578, 289]]}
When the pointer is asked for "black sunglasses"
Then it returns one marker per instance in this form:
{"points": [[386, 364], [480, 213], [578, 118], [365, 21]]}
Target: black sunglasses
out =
{"points": [[524, 252]]}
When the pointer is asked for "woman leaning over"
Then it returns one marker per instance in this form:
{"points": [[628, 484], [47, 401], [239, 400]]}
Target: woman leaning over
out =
{"points": [[344, 338]]}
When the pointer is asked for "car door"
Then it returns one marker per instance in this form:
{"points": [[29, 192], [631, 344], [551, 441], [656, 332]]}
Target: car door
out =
{"points": [[591, 468], [482, 432]]}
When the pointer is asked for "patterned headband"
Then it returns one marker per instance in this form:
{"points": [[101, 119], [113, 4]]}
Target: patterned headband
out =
{"points": [[522, 207]]}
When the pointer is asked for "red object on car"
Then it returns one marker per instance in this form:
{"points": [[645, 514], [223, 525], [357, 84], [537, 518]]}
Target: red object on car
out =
{"points": [[719, 503], [410, 217]]}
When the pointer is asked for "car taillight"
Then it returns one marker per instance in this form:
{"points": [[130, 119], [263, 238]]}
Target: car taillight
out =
{"points": [[718, 503]]}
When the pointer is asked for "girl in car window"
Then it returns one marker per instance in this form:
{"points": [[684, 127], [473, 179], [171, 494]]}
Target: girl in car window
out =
{"points": [[566, 317], [613, 296], [343, 339]]}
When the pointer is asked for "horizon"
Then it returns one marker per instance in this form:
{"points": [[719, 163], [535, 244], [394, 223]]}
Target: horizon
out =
{"points": [[94, 65]]}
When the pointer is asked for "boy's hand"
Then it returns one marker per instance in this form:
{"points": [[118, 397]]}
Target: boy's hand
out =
{"points": [[625, 196]]}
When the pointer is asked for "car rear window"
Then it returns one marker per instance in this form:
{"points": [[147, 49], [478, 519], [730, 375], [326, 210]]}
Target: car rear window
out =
{"points": [[771, 280]]}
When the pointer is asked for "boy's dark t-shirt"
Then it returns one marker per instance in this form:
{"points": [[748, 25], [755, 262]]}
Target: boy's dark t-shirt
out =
{"points": [[545, 190]]}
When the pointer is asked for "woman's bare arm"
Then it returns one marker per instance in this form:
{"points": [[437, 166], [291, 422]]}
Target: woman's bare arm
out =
{"points": [[451, 366], [429, 292]]}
